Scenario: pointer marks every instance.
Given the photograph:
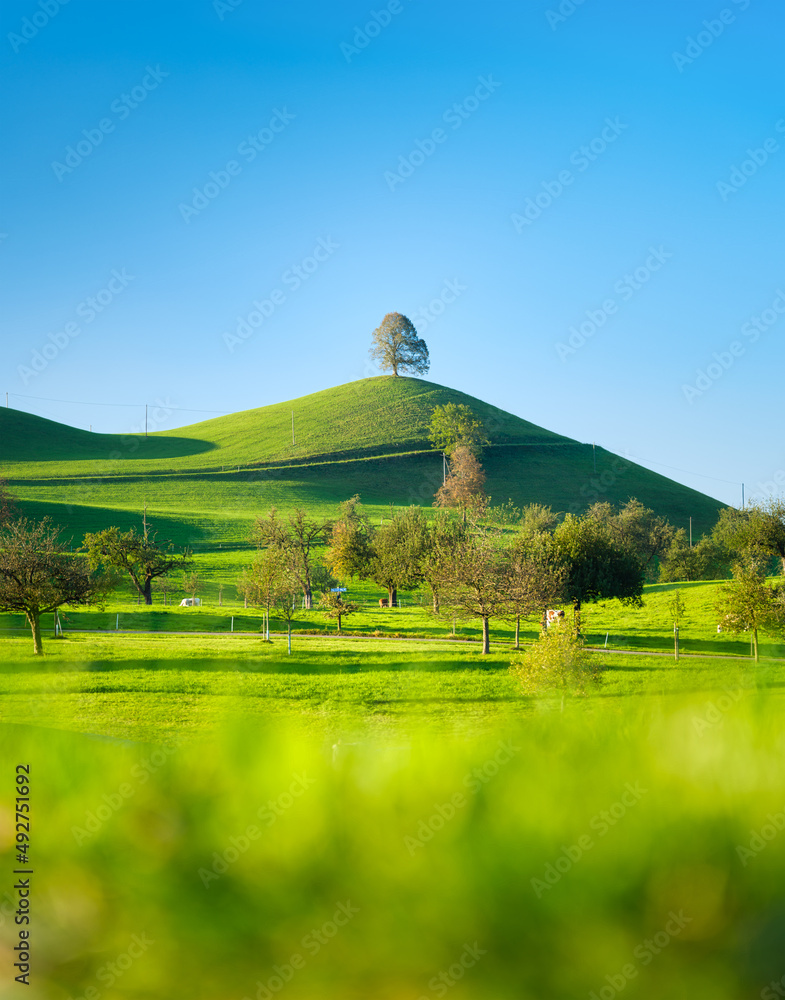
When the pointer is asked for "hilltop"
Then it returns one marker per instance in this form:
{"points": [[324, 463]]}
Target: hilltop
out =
{"points": [[204, 483]]}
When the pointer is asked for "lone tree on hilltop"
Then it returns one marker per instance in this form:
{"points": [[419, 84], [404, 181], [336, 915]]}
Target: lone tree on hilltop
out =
{"points": [[38, 575], [397, 348]]}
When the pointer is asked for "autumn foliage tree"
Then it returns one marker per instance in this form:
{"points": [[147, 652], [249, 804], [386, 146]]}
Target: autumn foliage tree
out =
{"points": [[464, 487], [397, 348]]}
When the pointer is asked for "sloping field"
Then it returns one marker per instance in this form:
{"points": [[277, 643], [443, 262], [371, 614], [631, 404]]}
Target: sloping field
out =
{"points": [[204, 484]]}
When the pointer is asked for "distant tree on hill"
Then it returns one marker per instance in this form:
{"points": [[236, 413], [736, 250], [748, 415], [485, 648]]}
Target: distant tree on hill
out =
{"points": [[464, 486], [139, 556], [455, 425], [38, 575], [397, 348]]}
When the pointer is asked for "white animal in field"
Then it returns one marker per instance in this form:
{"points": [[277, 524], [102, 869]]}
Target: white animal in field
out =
{"points": [[190, 602], [552, 616]]}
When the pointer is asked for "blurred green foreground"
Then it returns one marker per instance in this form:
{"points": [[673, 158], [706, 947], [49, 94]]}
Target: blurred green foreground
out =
{"points": [[613, 847]]}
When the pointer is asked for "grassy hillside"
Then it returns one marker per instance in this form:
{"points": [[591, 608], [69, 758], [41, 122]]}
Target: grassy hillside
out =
{"points": [[204, 484]]}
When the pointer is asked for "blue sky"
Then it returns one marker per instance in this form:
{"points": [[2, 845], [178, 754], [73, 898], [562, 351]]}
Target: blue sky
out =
{"points": [[579, 206]]}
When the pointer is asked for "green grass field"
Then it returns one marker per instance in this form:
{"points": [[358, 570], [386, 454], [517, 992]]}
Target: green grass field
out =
{"points": [[380, 814], [204, 484]]}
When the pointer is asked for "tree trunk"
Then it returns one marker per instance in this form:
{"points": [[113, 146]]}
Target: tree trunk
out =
{"points": [[308, 596], [486, 637], [339, 624], [35, 626], [392, 598], [755, 644], [518, 632], [147, 591], [289, 637], [576, 617]]}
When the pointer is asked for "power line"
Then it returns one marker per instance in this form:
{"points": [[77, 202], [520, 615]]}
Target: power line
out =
{"points": [[80, 402], [686, 472]]}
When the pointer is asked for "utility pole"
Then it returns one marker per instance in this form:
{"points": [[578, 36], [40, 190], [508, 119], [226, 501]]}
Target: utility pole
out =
{"points": [[144, 520], [690, 532], [444, 468], [292, 428], [742, 496], [145, 419], [594, 454], [6, 400]]}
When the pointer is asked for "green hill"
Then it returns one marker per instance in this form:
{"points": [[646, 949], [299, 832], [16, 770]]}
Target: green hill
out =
{"points": [[204, 483]]}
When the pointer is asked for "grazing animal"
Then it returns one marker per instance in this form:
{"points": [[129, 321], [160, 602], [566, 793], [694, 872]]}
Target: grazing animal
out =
{"points": [[552, 616], [384, 602]]}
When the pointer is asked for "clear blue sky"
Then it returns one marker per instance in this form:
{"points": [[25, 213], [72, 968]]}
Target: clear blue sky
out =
{"points": [[179, 91]]}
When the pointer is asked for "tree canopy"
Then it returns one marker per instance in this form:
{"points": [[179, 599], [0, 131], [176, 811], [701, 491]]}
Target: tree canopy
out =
{"points": [[38, 575], [140, 556], [456, 425], [397, 348]]}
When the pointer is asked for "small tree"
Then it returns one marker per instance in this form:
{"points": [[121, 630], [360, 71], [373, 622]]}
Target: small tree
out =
{"points": [[464, 487], [137, 555], [557, 663], [397, 348], [676, 607], [598, 567], [191, 584], [397, 552], [456, 425], [537, 578], [38, 575], [476, 582], [757, 531], [351, 548], [334, 608], [295, 540], [749, 604]]}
